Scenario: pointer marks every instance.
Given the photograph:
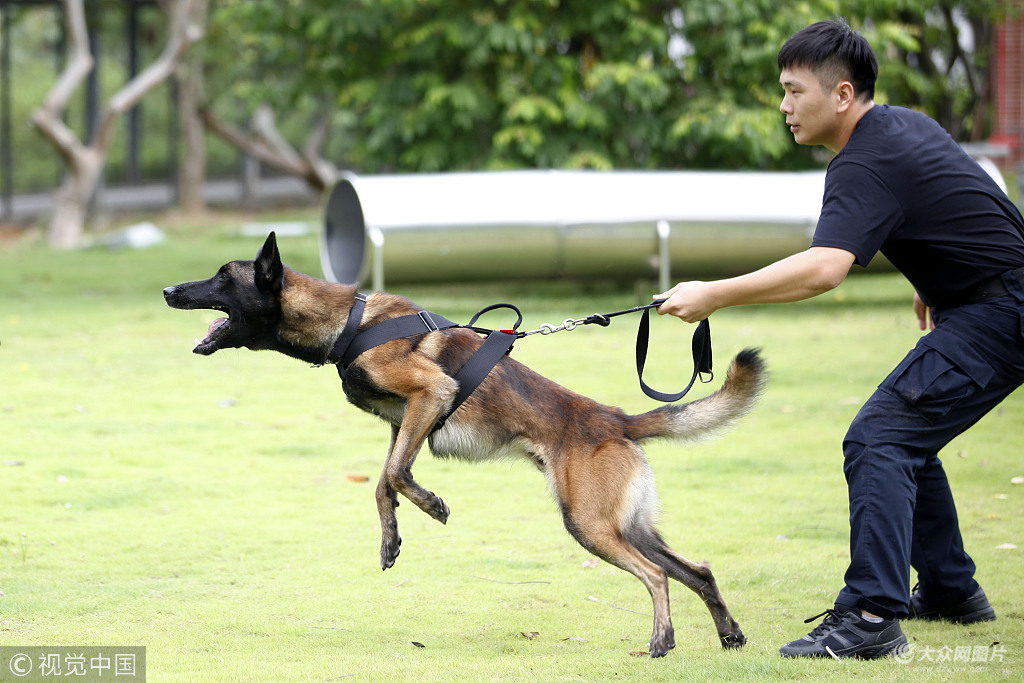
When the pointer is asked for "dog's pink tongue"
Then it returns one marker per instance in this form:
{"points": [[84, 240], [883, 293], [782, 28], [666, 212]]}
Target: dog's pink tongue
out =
{"points": [[215, 325]]}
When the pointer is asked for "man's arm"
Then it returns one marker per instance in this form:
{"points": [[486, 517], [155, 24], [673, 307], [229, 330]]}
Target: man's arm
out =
{"points": [[800, 276]]}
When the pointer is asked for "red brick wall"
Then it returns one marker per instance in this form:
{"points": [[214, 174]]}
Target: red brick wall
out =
{"points": [[1009, 94]]}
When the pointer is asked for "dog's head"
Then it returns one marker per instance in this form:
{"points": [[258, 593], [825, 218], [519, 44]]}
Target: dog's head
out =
{"points": [[247, 291]]}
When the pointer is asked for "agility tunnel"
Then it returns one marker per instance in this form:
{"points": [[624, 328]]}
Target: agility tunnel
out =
{"points": [[628, 225]]}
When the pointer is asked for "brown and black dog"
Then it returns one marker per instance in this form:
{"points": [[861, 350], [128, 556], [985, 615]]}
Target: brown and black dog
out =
{"points": [[589, 452]]}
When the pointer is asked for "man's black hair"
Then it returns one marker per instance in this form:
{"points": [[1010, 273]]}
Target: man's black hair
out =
{"points": [[834, 52]]}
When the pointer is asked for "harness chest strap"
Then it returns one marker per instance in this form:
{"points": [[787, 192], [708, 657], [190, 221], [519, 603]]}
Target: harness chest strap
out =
{"points": [[476, 369], [344, 340]]}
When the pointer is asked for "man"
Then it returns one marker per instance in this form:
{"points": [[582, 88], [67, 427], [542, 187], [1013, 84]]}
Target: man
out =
{"points": [[900, 185]]}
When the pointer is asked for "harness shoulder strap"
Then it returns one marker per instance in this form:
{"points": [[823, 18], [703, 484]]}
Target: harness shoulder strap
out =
{"points": [[394, 328], [476, 369]]}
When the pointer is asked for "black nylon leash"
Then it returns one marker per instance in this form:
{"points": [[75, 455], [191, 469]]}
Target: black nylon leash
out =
{"points": [[700, 347]]}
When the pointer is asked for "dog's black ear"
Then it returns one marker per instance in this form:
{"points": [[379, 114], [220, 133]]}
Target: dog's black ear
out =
{"points": [[269, 269]]}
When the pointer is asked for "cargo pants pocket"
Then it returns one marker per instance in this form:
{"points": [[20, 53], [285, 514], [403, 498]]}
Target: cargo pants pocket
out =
{"points": [[938, 375]]}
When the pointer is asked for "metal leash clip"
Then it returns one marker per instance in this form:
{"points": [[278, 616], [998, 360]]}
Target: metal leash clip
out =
{"points": [[568, 324]]}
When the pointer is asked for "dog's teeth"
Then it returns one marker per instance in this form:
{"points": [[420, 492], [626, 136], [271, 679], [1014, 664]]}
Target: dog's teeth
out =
{"points": [[198, 341]]}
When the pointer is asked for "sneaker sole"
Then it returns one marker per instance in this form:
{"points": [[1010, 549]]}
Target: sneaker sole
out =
{"points": [[988, 614], [887, 650], [973, 618], [892, 648]]}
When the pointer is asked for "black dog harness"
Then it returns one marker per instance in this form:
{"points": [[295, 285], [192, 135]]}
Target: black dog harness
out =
{"points": [[498, 343]]}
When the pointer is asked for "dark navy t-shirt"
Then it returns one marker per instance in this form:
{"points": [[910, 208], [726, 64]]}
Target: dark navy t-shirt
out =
{"points": [[904, 187]]}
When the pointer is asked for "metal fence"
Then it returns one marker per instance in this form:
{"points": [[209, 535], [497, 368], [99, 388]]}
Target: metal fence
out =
{"points": [[142, 169]]}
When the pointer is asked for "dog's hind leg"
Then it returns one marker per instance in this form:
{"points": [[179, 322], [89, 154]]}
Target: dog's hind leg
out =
{"points": [[600, 497], [696, 577], [605, 541]]}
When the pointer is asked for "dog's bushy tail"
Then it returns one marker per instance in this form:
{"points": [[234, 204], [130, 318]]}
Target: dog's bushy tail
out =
{"points": [[705, 417]]}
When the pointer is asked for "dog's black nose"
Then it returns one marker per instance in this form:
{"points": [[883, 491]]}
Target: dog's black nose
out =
{"points": [[169, 290]]}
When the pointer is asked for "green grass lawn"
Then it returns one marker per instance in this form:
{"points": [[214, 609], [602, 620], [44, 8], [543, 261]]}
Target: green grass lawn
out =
{"points": [[217, 510]]}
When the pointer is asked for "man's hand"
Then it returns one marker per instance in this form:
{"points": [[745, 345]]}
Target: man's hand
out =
{"points": [[923, 313], [794, 278], [689, 301]]}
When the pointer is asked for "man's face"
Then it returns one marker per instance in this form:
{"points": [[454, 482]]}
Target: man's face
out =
{"points": [[810, 111]]}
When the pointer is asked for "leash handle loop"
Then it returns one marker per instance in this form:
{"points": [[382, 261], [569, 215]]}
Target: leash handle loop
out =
{"points": [[700, 347], [519, 315]]}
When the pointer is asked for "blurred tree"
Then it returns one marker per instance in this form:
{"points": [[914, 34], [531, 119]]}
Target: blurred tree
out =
{"points": [[432, 85], [937, 57], [192, 157], [85, 160], [934, 56]]}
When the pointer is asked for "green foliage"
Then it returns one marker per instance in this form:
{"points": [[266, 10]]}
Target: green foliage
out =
{"points": [[435, 85], [731, 117], [431, 85], [212, 509], [935, 57]]}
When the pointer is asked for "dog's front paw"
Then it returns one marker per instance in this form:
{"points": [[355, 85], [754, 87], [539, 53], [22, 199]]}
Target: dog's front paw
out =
{"points": [[438, 509], [390, 547]]}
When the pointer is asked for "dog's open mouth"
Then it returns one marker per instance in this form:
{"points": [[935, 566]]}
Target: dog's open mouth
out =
{"points": [[208, 344]]}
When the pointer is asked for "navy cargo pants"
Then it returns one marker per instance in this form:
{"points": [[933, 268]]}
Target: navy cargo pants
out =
{"points": [[901, 507]]}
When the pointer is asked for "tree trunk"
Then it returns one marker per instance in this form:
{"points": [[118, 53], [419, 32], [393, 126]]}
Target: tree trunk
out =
{"points": [[71, 201], [192, 164], [85, 162]]}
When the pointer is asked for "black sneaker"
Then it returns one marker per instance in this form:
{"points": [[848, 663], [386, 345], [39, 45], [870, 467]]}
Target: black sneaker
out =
{"points": [[969, 611], [844, 633]]}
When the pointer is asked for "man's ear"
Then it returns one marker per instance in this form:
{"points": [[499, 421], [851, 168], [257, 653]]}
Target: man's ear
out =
{"points": [[269, 269], [845, 95]]}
